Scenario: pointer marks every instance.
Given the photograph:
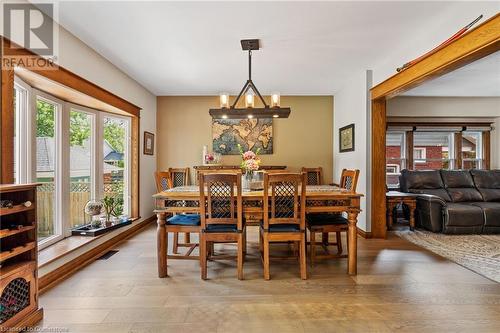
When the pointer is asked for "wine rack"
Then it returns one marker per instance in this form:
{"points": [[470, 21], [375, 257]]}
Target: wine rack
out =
{"points": [[18, 257]]}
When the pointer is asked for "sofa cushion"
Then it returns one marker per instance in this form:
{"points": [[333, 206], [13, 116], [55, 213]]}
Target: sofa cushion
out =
{"points": [[460, 186], [440, 192], [491, 211], [488, 183], [421, 180], [463, 215]]}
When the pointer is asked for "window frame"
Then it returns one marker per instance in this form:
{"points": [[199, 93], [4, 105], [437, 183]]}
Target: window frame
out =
{"points": [[479, 150], [451, 151], [25, 153], [61, 141]]}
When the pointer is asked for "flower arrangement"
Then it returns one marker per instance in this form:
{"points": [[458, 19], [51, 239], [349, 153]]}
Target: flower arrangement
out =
{"points": [[250, 160], [212, 158]]}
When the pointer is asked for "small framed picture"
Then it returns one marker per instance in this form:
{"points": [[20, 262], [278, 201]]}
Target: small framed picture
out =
{"points": [[149, 143], [346, 138]]}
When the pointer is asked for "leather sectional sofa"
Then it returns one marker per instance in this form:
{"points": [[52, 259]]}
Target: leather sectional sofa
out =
{"points": [[455, 202]]}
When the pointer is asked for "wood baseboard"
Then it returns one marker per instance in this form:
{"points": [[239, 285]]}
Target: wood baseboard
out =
{"points": [[50, 279], [364, 234]]}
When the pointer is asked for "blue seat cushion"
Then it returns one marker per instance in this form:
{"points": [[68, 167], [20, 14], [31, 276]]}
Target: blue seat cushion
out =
{"points": [[284, 227], [325, 219], [221, 228], [185, 219]]}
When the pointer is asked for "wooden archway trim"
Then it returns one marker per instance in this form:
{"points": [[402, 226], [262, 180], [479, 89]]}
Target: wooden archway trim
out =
{"points": [[69, 79], [478, 43], [66, 78]]}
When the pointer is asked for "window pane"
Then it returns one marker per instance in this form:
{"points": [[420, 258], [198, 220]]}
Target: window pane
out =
{"points": [[81, 180], [470, 164], [115, 161], [45, 167], [471, 150], [394, 157], [431, 150]]}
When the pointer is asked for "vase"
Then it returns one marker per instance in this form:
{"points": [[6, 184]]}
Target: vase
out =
{"points": [[252, 180]]}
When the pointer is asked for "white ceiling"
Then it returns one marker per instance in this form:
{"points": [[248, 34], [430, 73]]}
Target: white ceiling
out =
{"points": [[478, 79], [192, 48]]}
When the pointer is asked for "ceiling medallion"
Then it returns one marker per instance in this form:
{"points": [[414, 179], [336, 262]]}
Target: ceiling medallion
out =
{"points": [[249, 91]]}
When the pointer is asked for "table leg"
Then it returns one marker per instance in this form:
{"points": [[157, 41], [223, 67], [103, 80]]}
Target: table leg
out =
{"points": [[161, 244], [390, 209], [412, 205], [352, 243]]}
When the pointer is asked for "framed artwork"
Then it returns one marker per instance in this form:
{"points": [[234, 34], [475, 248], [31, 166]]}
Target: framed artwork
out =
{"points": [[149, 143], [346, 138], [249, 133]]}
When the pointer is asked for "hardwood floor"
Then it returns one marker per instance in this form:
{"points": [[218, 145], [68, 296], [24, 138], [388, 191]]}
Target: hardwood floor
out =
{"points": [[399, 288]]}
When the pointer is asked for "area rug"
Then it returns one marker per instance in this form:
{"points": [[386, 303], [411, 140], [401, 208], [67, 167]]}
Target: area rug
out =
{"points": [[479, 253]]}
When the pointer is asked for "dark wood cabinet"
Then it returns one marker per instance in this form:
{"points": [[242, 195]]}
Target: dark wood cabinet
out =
{"points": [[18, 258]]}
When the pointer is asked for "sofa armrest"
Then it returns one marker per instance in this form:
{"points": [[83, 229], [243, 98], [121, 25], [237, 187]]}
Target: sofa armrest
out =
{"points": [[431, 199], [429, 212]]}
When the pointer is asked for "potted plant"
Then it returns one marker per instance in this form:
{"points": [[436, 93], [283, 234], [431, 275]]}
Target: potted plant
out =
{"points": [[110, 206]]}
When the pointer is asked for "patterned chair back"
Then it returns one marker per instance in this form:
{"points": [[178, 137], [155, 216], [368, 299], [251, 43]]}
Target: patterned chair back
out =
{"points": [[349, 179], [179, 176], [282, 201], [163, 181], [221, 193], [314, 175]]}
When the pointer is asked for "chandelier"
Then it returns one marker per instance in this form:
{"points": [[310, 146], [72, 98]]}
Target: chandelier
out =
{"points": [[249, 90]]}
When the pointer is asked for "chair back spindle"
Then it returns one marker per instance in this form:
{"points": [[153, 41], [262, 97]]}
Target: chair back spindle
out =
{"points": [[163, 181], [222, 198], [349, 179], [314, 175], [282, 202], [179, 176]]}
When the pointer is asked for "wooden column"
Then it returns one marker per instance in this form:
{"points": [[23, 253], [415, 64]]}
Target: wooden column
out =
{"points": [[378, 207], [458, 150], [486, 150], [409, 150]]}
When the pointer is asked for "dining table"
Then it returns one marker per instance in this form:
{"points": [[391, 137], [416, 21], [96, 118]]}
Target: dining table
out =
{"points": [[319, 199]]}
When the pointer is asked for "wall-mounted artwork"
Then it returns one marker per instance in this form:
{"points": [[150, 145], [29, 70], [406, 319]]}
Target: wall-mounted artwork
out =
{"points": [[149, 143], [249, 133], [346, 138]]}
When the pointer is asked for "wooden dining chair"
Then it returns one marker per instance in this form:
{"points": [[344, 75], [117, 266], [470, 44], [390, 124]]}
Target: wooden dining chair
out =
{"points": [[325, 223], [164, 182], [314, 175], [284, 216], [221, 209], [180, 177]]}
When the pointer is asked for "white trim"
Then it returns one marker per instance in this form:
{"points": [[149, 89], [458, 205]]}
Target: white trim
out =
{"points": [[60, 184], [423, 154]]}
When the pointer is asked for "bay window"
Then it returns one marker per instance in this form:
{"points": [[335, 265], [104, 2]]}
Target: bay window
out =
{"points": [[434, 148], [76, 153]]}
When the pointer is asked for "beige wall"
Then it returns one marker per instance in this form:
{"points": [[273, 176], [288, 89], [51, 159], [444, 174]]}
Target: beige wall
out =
{"points": [[304, 139]]}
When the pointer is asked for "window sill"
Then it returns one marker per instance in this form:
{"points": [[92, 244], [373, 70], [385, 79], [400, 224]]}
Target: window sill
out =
{"points": [[65, 246]]}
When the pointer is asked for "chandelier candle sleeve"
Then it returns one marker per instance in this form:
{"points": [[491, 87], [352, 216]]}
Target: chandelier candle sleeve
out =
{"points": [[224, 100], [275, 100], [249, 99]]}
